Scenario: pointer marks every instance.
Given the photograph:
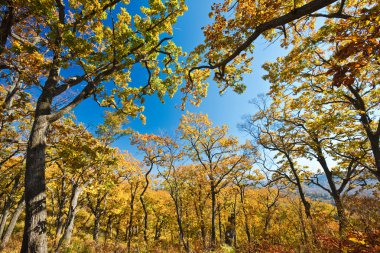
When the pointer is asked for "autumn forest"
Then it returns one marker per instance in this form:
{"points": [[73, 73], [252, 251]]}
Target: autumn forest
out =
{"points": [[303, 175]]}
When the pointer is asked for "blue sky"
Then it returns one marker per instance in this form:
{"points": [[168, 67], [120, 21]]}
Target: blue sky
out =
{"points": [[222, 109]]}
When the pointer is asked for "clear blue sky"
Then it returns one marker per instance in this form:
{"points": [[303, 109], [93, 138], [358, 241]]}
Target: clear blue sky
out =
{"points": [[226, 109]]}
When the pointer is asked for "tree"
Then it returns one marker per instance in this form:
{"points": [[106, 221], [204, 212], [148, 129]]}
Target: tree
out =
{"points": [[344, 76], [268, 132], [219, 156], [318, 136], [97, 46], [165, 153], [149, 144]]}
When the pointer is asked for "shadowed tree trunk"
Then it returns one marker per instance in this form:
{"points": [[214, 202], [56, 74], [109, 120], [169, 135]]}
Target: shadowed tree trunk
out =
{"points": [[34, 239]]}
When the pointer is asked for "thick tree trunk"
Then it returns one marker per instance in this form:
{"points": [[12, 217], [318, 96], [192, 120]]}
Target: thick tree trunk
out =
{"points": [[12, 223], [34, 239]]}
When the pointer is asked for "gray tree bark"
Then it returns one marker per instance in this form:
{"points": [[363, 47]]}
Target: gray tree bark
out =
{"points": [[12, 223]]}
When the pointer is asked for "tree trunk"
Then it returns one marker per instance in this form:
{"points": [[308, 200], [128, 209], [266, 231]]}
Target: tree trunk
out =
{"points": [[246, 226], [303, 226], [144, 205], [108, 228], [267, 222], [213, 216], [4, 218], [375, 147], [145, 219], [246, 220], [230, 230], [61, 206], [95, 232], [69, 226], [335, 194], [129, 232], [158, 228], [341, 215], [12, 223], [8, 204], [220, 225], [306, 204], [178, 209], [34, 239]]}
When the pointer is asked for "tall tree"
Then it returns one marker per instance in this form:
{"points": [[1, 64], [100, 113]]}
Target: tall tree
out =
{"points": [[88, 40]]}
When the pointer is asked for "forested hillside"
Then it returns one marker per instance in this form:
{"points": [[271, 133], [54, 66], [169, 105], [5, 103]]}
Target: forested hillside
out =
{"points": [[302, 176]]}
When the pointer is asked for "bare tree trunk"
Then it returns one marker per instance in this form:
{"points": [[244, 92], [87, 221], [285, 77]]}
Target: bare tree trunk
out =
{"points": [[12, 223], [34, 239], [69, 226]]}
